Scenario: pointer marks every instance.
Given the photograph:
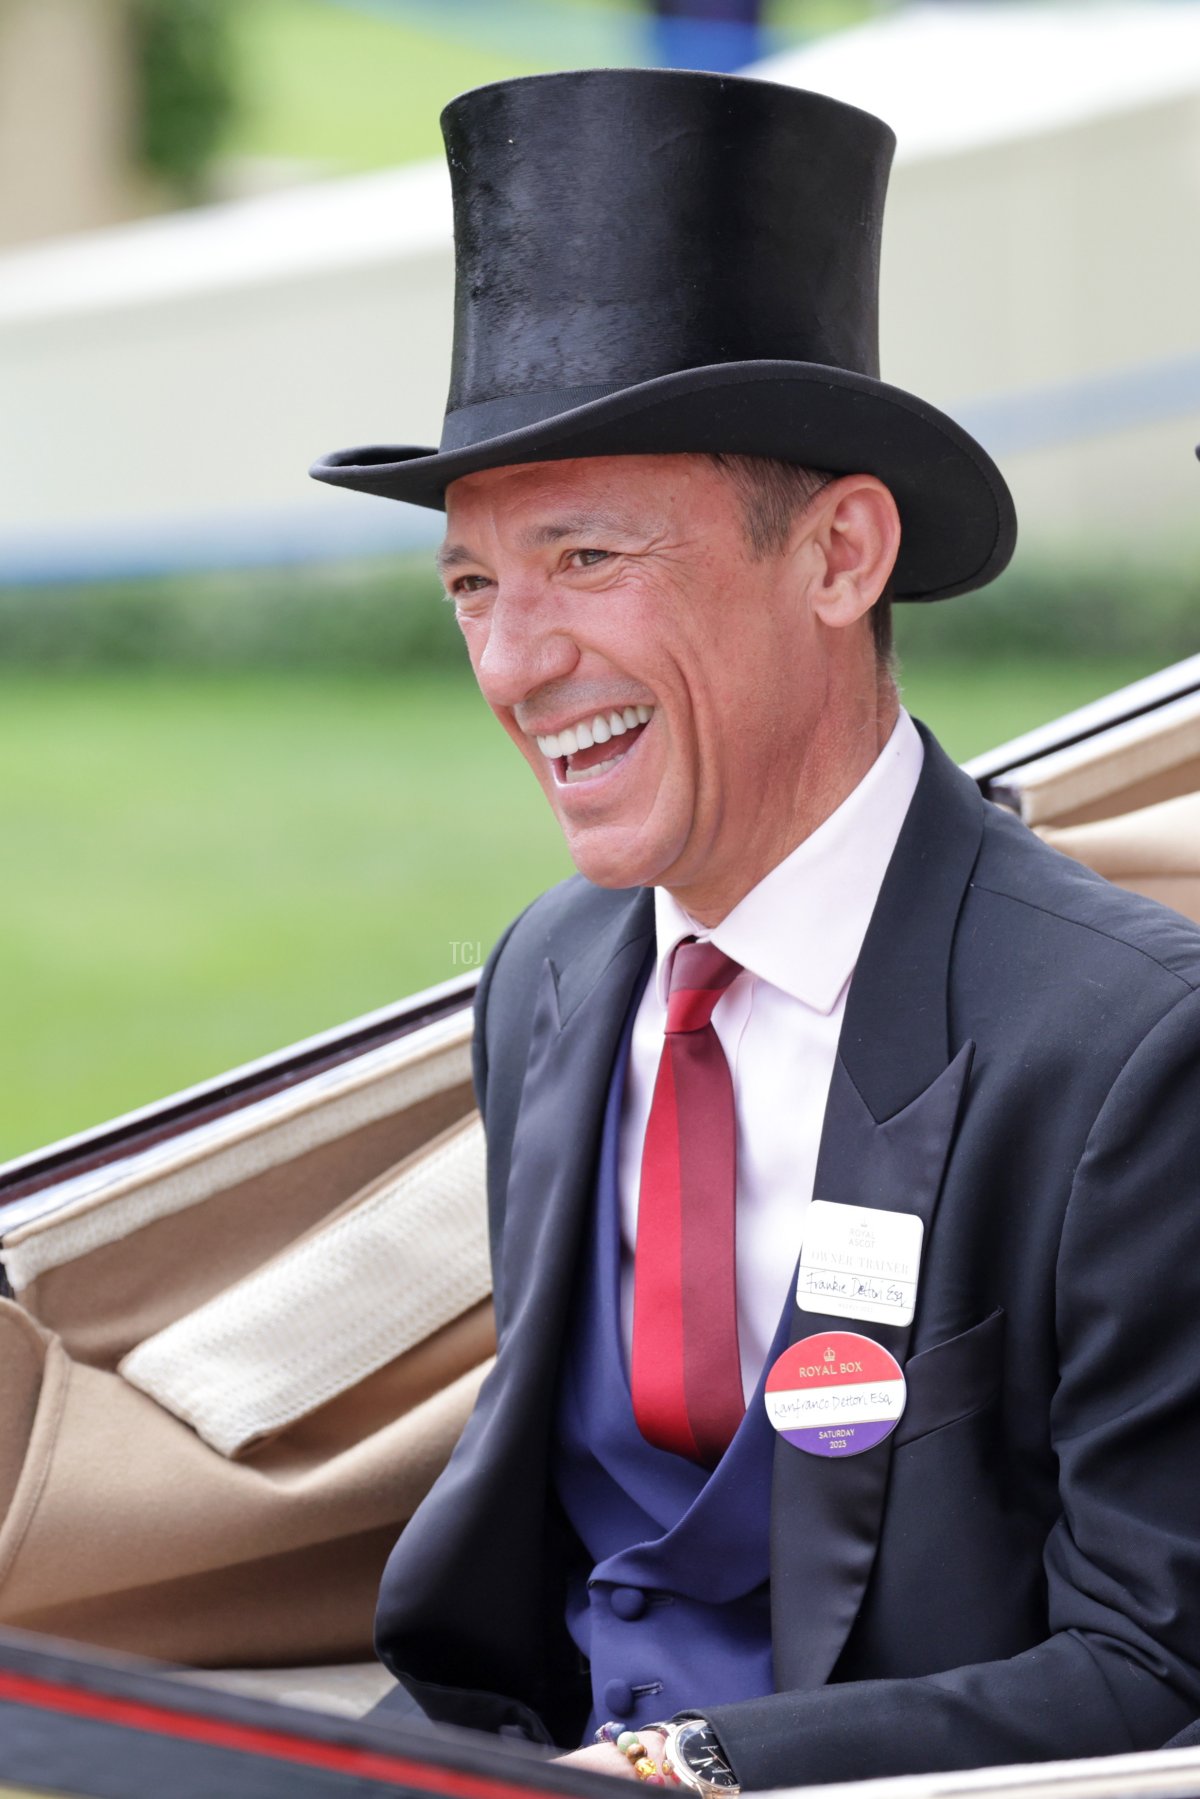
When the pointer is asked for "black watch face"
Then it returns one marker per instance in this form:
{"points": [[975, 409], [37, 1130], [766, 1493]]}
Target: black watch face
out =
{"points": [[697, 1747]]}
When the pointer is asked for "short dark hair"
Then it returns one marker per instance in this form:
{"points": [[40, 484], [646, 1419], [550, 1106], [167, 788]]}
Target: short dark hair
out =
{"points": [[773, 495]]}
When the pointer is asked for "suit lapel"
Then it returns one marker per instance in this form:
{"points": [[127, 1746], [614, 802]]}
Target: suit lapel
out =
{"points": [[577, 1023], [894, 1103]]}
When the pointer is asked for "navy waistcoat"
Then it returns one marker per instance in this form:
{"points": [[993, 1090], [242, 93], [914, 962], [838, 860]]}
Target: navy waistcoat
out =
{"points": [[675, 1613]]}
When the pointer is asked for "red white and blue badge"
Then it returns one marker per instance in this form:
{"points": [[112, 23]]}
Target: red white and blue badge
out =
{"points": [[835, 1394]]}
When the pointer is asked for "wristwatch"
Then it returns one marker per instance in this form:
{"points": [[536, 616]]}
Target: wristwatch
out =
{"points": [[696, 1759]]}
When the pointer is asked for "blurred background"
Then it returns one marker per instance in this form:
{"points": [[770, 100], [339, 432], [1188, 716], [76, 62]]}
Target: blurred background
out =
{"points": [[246, 787]]}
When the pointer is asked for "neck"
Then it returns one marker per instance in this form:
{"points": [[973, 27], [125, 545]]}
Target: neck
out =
{"points": [[844, 746]]}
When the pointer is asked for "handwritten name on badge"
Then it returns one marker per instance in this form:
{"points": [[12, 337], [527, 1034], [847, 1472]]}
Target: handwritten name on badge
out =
{"points": [[835, 1394], [859, 1262]]}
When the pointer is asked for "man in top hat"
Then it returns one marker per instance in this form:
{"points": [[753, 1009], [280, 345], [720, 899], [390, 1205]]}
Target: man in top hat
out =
{"points": [[843, 1142]]}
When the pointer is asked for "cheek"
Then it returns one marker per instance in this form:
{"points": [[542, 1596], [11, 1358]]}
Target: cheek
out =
{"points": [[475, 633], [528, 749], [474, 636], [729, 740]]}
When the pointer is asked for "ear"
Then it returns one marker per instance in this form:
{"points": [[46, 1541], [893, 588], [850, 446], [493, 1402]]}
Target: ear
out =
{"points": [[857, 533]]}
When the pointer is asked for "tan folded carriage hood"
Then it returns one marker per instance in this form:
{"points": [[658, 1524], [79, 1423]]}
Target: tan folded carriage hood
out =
{"points": [[240, 1361]]}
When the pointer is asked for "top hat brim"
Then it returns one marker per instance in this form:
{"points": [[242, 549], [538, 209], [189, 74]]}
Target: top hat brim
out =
{"points": [[958, 521]]}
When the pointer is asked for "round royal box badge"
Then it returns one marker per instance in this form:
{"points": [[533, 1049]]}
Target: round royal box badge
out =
{"points": [[835, 1394]]}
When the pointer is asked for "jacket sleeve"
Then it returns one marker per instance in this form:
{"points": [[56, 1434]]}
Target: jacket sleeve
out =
{"points": [[1120, 1667]]}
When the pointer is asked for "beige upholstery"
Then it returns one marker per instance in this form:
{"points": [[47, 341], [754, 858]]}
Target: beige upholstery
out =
{"points": [[212, 1204], [1130, 766], [1155, 851], [122, 1525], [219, 1368]]}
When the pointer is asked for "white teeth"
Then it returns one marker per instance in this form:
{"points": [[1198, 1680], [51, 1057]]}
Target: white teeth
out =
{"points": [[598, 730], [587, 774]]}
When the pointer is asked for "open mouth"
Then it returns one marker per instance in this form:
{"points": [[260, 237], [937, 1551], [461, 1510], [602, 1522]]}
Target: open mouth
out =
{"points": [[593, 746]]}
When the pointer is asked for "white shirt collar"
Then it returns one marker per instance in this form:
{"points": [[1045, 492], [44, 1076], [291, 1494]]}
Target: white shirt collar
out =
{"points": [[802, 927]]}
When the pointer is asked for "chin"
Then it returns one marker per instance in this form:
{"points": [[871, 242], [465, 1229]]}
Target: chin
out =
{"points": [[613, 866]]}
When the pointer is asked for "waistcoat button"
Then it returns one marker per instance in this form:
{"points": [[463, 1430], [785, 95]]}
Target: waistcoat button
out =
{"points": [[618, 1698], [628, 1603]]}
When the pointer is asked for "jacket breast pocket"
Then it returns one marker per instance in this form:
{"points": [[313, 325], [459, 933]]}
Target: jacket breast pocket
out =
{"points": [[951, 1380]]}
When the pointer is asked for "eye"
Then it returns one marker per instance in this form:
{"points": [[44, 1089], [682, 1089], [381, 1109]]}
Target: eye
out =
{"points": [[589, 558], [465, 584]]}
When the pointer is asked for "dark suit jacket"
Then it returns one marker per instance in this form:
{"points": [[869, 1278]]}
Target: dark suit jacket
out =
{"points": [[1015, 1574]]}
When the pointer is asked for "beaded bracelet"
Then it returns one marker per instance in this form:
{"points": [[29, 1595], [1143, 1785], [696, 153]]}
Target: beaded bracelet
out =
{"points": [[634, 1750]]}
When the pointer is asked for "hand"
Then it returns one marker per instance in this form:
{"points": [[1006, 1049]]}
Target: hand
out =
{"points": [[606, 1758]]}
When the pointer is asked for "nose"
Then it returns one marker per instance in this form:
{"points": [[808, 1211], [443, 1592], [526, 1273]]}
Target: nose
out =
{"points": [[527, 645]]}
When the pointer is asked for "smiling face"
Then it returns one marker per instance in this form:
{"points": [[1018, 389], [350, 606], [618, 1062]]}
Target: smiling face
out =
{"points": [[690, 710]]}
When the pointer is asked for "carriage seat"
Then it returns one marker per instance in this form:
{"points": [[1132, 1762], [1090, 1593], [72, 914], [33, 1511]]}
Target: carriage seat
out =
{"points": [[1154, 851]]}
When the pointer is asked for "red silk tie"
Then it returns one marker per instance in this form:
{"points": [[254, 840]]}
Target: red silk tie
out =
{"points": [[686, 1368]]}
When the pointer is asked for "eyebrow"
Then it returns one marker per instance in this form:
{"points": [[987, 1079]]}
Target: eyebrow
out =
{"points": [[539, 537], [453, 555]]}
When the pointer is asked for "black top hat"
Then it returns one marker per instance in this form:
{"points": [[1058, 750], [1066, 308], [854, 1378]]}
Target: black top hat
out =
{"points": [[651, 261]]}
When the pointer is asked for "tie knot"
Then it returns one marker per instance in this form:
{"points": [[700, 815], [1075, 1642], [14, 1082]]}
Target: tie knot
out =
{"points": [[700, 974]]}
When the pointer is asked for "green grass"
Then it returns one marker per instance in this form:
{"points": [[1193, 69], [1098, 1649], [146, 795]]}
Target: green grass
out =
{"points": [[324, 84], [337, 85], [202, 869], [975, 707]]}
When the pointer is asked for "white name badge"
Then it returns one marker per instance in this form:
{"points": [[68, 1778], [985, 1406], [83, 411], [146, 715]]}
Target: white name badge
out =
{"points": [[859, 1262]]}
